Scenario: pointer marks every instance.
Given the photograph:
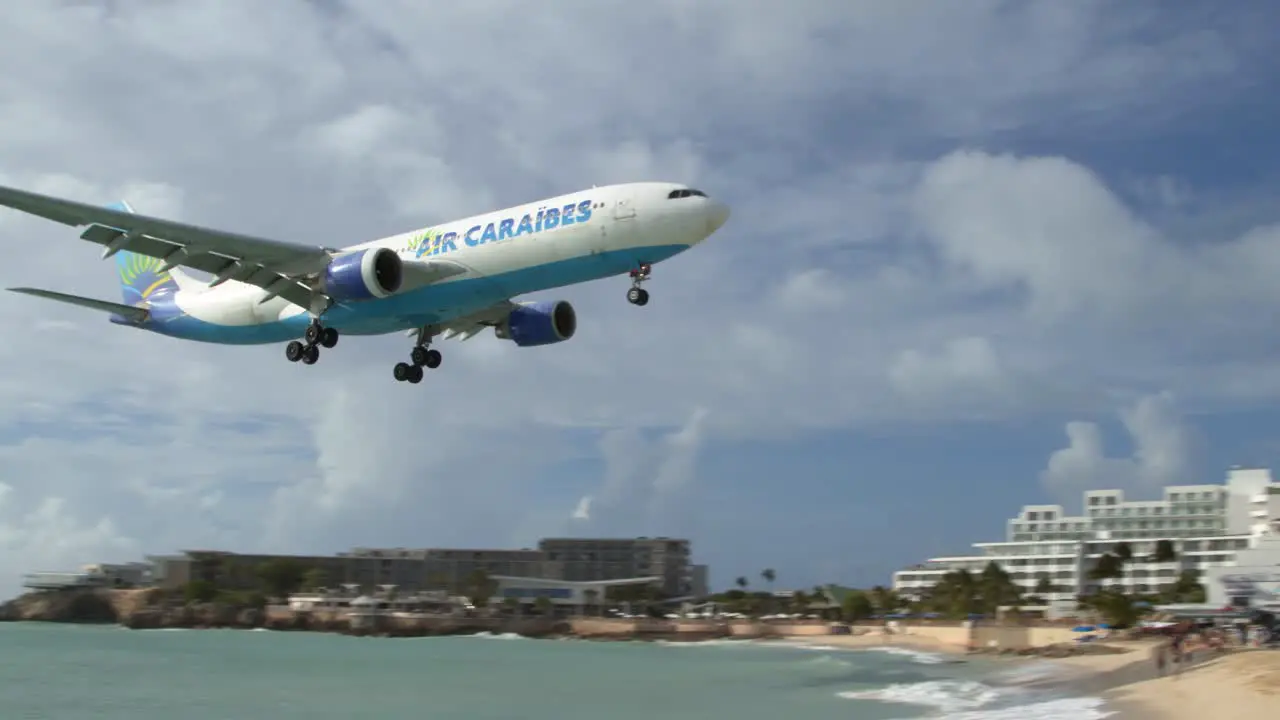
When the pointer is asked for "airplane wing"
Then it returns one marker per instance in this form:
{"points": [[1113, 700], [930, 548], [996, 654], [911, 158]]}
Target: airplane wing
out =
{"points": [[275, 266], [133, 314], [469, 326]]}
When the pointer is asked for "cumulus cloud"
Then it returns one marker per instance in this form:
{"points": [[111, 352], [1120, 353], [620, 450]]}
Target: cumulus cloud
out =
{"points": [[645, 485], [868, 259], [965, 370], [1162, 445]]}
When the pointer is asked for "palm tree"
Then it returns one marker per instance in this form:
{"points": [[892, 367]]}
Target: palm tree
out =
{"points": [[742, 582], [1107, 568], [481, 587], [1124, 553], [956, 594], [1164, 553], [768, 575], [542, 604], [800, 601], [884, 601], [1044, 586], [314, 579], [511, 605], [856, 606], [996, 589]]}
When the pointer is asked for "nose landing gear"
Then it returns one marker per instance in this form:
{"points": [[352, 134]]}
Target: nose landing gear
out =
{"points": [[637, 295]]}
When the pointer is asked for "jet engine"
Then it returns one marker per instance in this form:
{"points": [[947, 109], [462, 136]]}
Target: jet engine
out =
{"points": [[363, 275], [539, 323]]}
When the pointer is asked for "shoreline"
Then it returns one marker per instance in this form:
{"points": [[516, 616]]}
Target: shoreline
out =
{"points": [[1239, 684]]}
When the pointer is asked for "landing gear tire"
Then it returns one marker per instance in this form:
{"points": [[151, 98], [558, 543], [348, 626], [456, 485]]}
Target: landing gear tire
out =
{"points": [[328, 337], [638, 296], [425, 357], [294, 351], [402, 371], [310, 354], [313, 334]]}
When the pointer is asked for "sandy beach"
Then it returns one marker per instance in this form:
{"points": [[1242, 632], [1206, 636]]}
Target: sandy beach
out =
{"points": [[1237, 685], [873, 640]]}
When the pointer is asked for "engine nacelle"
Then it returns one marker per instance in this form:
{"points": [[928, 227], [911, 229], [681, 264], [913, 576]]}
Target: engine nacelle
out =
{"points": [[363, 275], [539, 323]]}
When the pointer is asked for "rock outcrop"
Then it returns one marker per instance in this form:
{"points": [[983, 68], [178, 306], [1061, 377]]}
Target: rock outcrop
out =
{"points": [[155, 609]]}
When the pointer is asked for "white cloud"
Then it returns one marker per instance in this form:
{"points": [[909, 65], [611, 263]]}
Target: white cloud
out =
{"points": [[1162, 445], [851, 251], [966, 368], [645, 484]]}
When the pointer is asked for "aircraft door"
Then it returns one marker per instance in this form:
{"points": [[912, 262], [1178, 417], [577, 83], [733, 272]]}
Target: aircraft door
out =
{"points": [[624, 208]]}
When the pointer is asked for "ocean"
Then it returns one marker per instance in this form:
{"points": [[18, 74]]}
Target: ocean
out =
{"points": [[68, 672]]}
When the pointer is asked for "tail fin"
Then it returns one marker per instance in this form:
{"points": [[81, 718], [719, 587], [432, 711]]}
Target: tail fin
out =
{"points": [[140, 275]]}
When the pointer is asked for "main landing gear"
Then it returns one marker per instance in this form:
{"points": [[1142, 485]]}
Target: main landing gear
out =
{"points": [[308, 350], [419, 357], [638, 295]]}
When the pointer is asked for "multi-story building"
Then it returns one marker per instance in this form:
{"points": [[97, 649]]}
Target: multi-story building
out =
{"points": [[443, 569], [237, 571], [1207, 525], [591, 559], [110, 575], [569, 559]]}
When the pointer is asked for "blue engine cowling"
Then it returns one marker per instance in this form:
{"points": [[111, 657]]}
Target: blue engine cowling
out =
{"points": [[539, 323], [363, 275]]}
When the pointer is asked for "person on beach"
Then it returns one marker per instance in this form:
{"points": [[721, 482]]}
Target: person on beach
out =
{"points": [[1162, 657]]}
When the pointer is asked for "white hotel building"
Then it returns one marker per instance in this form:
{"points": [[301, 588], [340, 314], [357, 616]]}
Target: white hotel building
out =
{"points": [[1208, 525]]}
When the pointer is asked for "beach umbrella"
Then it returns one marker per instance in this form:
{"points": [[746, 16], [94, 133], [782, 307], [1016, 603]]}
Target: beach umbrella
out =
{"points": [[1083, 628]]}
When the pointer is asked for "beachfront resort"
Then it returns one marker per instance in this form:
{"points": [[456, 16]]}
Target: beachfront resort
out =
{"points": [[1224, 537]]}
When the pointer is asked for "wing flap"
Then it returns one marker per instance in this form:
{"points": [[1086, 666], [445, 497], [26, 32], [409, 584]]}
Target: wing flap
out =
{"points": [[133, 314], [468, 326]]}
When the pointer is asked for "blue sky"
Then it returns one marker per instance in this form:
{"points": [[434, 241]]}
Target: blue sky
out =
{"points": [[982, 254]]}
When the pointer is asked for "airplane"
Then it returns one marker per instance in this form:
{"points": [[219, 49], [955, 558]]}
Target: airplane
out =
{"points": [[449, 280]]}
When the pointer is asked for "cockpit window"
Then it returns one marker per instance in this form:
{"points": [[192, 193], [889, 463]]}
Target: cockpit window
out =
{"points": [[684, 193]]}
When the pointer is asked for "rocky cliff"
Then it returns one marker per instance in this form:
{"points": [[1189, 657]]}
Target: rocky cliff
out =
{"points": [[82, 606]]}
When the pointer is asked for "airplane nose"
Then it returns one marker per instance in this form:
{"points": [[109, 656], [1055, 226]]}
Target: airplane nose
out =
{"points": [[717, 215]]}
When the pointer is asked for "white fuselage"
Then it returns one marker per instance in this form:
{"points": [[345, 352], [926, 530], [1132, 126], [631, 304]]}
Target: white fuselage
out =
{"points": [[559, 241]]}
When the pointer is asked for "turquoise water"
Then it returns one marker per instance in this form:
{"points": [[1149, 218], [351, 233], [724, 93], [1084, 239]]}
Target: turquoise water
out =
{"points": [[67, 672]]}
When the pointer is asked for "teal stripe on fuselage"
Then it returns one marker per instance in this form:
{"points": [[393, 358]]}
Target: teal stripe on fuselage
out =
{"points": [[415, 308]]}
